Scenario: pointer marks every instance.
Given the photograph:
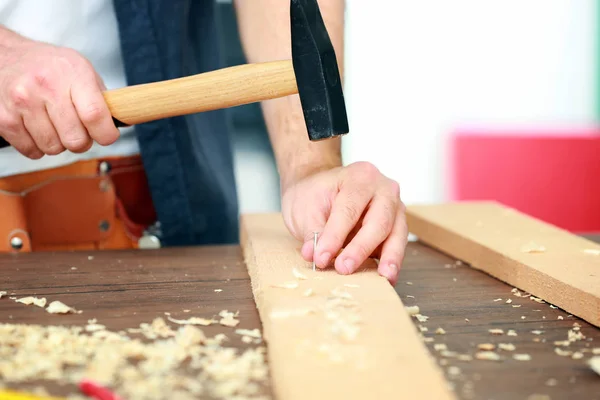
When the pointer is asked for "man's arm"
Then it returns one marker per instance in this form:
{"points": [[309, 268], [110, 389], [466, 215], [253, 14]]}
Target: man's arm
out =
{"points": [[265, 34]]}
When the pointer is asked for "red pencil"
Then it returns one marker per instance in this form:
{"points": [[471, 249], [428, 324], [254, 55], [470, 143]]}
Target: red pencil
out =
{"points": [[96, 391]]}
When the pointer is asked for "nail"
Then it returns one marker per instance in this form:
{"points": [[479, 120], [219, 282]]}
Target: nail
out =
{"points": [[349, 264], [325, 259]]}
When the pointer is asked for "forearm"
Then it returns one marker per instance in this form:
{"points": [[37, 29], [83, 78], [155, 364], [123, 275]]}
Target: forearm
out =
{"points": [[265, 34]]}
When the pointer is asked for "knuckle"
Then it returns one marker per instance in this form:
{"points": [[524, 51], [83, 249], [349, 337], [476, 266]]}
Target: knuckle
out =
{"points": [[395, 189], [92, 114], [366, 170], [20, 95]]}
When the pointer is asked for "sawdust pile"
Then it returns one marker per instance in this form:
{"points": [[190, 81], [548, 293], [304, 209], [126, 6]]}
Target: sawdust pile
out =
{"points": [[173, 364]]}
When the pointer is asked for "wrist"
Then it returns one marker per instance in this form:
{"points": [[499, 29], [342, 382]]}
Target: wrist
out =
{"points": [[295, 170], [9, 38]]}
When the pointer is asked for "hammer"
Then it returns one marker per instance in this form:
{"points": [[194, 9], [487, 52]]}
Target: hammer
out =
{"points": [[312, 73]]}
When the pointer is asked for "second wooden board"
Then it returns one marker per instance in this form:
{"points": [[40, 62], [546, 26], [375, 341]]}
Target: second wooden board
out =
{"points": [[548, 262]]}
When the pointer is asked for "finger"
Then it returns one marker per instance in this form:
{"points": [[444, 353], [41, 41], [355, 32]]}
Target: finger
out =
{"points": [[41, 130], [19, 138], [393, 249], [346, 212], [376, 227], [71, 132], [93, 111]]}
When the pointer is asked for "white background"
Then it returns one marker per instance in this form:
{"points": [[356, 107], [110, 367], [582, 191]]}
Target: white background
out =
{"points": [[417, 70]]}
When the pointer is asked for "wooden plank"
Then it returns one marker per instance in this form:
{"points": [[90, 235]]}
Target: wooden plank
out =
{"points": [[548, 262], [313, 353], [464, 301]]}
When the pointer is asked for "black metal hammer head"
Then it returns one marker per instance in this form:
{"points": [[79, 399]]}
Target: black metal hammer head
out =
{"points": [[317, 73]]}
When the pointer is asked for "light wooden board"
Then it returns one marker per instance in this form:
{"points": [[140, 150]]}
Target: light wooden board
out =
{"points": [[312, 354], [501, 241]]}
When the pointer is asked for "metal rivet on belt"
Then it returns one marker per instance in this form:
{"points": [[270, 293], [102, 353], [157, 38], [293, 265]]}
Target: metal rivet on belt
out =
{"points": [[104, 185], [104, 167], [16, 243], [104, 225]]}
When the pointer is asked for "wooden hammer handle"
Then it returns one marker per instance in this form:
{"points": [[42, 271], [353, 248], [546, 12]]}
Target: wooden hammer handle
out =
{"points": [[222, 88]]}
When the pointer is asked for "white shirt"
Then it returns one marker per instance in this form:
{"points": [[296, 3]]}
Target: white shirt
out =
{"points": [[88, 26]]}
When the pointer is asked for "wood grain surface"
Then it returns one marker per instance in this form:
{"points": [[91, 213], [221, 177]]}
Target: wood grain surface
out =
{"points": [[123, 289]]}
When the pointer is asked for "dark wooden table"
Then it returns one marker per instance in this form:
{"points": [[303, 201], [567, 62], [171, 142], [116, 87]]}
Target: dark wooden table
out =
{"points": [[123, 289]]}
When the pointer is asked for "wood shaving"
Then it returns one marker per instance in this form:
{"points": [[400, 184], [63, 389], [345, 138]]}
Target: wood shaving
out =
{"points": [[254, 333], [551, 382], [297, 274], [537, 299], [193, 321], [184, 366], [593, 252], [487, 355], [421, 318], [486, 346], [440, 347], [2, 293], [286, 285], [563, 353], [562, 343], [247, 339], [496, 331], [516, 305], [511, 333], [532, 247], [506, 346], [308, 292], [560, 317], [409, 296], [577, 355], [33, 300], [218, 290], [228, 318], [351, 285], [594, 364], [440, 331], [409, 283], [523, 317], [57, 307], [186, 311], [537, 332], [454, 371], [553, 306], [522, 357], [412, 310], [596, 351], [496, 300], [508, 301], [423, 328]]}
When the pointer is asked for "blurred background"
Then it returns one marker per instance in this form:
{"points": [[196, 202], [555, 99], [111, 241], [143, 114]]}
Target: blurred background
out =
{"points": [[460, 100]]}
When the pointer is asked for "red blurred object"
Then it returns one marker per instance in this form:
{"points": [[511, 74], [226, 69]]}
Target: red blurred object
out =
{"points": [[96, 391], [553, 176]]}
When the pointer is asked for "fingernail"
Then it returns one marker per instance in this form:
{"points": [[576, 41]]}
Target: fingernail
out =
{"points": [[325, 259], [349, 264]]}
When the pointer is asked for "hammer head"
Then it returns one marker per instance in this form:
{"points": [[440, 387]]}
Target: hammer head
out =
{"points": [[317, 74]]}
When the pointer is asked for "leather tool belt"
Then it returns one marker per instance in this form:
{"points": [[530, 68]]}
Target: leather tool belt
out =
{"points": [[88, 205]]}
